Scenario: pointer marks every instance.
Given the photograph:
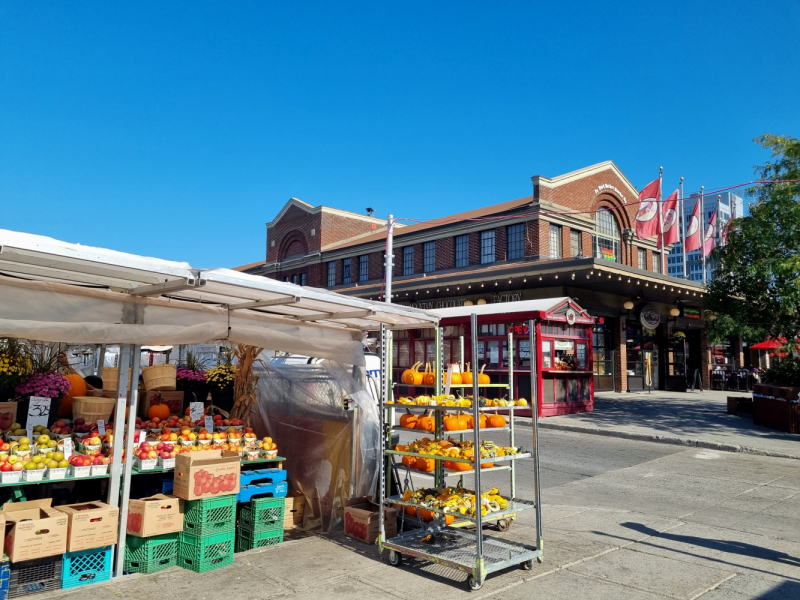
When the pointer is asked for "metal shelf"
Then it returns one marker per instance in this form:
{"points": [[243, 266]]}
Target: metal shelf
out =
{"points": [[464, 409], [515, 505], [483, 461], [449, 473], [454, 385], [450, 433]]}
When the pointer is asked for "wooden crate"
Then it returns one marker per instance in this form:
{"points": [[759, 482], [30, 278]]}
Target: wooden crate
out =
{"points": [[293, 513]]}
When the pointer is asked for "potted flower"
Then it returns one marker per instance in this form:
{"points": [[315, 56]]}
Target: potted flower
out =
{"points": [[776, 400], [191, 380], [14, 367], [220, 382]]}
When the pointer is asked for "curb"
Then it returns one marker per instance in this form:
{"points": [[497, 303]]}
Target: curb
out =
{"points": [[665, 439]]}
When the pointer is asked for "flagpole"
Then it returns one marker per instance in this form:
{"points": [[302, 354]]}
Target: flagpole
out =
{"points": [[683, 220], [661, 217], [703, 229]]}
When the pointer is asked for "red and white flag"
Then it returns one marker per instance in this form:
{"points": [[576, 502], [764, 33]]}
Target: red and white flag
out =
{"points": [[670, 220], [647, 215], [708, 241], [693, 229], [723, 236]]}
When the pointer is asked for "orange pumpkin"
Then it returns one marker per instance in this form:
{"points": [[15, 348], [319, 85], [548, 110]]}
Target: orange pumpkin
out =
{"points": [[455, 423], [461, 466], [482, 377], [409, 461], [487, 465], [481, 421], [430, 377], [158, 410], [448, 519], [412, 376], [411, 511], [426, 465], [496, 420], [78, 389], [425, 423], [466, 376], [455, 376], [427, 515], [408, 421]]}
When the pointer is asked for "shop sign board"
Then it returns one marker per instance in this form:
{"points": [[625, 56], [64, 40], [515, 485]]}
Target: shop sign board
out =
{"points": [[649, 317]]}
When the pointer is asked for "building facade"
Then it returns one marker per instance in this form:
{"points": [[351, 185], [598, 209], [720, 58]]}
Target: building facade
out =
{"points": [[573, 236]]}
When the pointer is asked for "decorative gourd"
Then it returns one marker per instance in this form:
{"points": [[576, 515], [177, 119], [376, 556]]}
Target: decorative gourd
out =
{"points": [[466, 376], [426, 423], [487, 465], [78, 389], [412, 376], [521, 402], [426, 465], [481, 421], [496, 420], [483, 377], [430, 377], [158, 410], [408, 421], [460, 466], [448, 519]]}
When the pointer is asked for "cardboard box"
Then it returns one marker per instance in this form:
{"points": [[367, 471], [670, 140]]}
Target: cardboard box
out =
{"points": [[293, 511], [90, 525], [174, 400], [206, 474], [361, 520], [34, 530], [155, 515], [8, 415]]}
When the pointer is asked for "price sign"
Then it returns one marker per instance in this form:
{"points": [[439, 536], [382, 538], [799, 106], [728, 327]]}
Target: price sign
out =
{"points": [[38, 411], [209, 424], [195, 411], [67, 448], [449, 380], [101, 427]]}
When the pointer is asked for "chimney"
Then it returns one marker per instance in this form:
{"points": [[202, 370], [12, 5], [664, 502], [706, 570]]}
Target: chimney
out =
{"points": [[370, 212]]}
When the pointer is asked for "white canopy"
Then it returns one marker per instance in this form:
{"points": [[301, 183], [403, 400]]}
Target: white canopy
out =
{"points": [[547, 305], [58, 291]]}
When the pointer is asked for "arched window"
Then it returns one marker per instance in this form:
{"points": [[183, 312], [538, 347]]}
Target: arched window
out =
{"points": [[606, 239]]}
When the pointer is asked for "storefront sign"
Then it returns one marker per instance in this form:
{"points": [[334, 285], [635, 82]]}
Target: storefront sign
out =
{"points": [[516, 297], [518, 329], [691, 313], [435, 304], [571, 317], [649, 317], [612, 188]]}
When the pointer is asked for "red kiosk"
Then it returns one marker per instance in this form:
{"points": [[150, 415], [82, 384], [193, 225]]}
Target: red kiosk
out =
{"points": [[563, 337]]}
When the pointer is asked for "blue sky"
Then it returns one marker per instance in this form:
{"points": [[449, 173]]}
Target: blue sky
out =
{"points": [[178, 129]]}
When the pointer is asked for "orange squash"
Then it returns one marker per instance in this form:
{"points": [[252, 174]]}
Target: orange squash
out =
{"points": [[427, 515], [412, 376], [461, 466], [408, 421], [412, 512], [496, 420], [426, 465], [466, 376], [448, 519], [158, 410], [481, 421], [483, 377], [409, 461], [430, 377], [425, 423], [455, 376], [78, 389], [487, 465], [454, 423]]}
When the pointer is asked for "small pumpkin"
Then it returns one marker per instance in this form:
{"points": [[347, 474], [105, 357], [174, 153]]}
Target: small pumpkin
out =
{"points": [[409, 461], [158, 410], [426, 423], [426, 465], [487, 465], [496, 420], [454, 423], [466, 376], [408, 421], [430, 377], [455, 376], [448, 519], [412, 376], [78, 389], [481, 421], [483, 377]]}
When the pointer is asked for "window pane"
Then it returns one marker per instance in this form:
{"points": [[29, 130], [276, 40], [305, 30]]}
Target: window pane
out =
{"points": [[462, 250], [546, 356], [580, 355], [494, 352], [363, 267], [642, 255], [515, 241], [303, 279], [575, 243], [525, 353], [403, 359], [346, 270], [408, 260], [607, 238], [656, 262], [487, 247], [555, 241], [429, 257], [331, 274]]}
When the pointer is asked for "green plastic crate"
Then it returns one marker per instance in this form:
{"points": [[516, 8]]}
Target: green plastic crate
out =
{"points": [[265, 518], [148, 555], [249, 540], [209, 515], [203, 553]]}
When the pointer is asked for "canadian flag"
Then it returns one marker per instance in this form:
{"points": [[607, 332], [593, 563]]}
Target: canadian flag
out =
{"points": [[693, 228], [708, 241], [670, 220], [647, 215]]}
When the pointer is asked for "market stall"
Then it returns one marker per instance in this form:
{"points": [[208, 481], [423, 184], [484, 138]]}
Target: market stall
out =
{"points": [[53, 291]]}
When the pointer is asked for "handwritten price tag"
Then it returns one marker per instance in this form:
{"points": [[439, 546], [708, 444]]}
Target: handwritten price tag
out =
{"points": [[209, 424], [101, 427], [38, 411], [195, 411], [67, 448]]}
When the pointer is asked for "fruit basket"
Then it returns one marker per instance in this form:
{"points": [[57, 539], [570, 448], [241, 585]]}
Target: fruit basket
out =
{"points": [[86, 566], [203, 553], [148, 555]]}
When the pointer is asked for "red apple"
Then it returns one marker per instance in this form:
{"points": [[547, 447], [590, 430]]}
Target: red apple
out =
{"points": [[143, 455]]}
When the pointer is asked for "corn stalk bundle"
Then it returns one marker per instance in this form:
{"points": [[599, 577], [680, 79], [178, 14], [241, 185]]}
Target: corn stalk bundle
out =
{"points": [[245, 382]]}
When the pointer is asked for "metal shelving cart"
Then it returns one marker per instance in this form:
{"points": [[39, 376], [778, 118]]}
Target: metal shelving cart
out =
{"points": [[453, 545]]}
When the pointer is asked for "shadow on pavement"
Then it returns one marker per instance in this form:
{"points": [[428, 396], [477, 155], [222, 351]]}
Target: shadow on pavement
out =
{"points": [[787, 590]]}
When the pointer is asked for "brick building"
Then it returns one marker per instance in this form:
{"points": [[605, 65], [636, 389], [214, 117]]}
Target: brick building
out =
{"points": [[572, 237]]}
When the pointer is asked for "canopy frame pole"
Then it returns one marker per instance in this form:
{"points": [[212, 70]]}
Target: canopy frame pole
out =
{"points": [[128, 465], [123, 365]]}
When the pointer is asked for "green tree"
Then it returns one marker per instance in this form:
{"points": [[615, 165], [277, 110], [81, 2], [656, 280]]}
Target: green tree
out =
{"points": [[756, 292]]}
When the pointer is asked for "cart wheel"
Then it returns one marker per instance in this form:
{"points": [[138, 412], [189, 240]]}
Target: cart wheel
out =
{"points": [[527, 565], [395, 558], [504, 524], [474, 584]]}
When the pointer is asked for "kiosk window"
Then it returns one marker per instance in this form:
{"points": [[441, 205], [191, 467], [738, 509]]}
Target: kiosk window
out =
{"points": [[547, 362]]}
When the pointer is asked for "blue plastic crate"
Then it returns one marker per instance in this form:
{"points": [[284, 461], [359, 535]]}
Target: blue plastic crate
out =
{"points": [[272, 490], [5, 573], [86, 566], [262, 476]]}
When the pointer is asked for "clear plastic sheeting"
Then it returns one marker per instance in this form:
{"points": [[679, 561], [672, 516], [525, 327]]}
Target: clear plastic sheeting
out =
{"points": [[331, 453]]}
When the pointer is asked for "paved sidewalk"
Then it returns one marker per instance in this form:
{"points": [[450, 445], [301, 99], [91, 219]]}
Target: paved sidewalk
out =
{"points": [[692, 418]]}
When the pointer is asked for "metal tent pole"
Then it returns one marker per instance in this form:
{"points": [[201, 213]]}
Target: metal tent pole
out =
{"points": [[511, 410], [389, 260], [535, 420], [128, 465], [476, 433], [385, 468], [119, 423]]}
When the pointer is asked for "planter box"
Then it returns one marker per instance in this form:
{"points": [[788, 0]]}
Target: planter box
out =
{"points": [[776, 391], [740, 404], [776, 414]]}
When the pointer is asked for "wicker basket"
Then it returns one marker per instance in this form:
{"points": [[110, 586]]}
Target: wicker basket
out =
{"points": [[92, 409], [159, 378], [111, 378]]}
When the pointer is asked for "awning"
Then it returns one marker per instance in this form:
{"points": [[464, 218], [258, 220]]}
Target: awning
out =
{"points": [[769, 344]]}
